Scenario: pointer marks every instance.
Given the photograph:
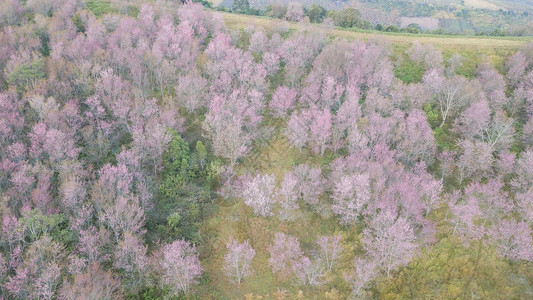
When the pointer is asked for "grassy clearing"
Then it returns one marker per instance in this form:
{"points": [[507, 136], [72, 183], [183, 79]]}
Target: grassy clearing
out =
{"points": [[100, 8], [275, 156]]}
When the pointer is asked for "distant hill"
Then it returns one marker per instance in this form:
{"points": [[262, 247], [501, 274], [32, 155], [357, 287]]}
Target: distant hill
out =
{"points": [[448, 16], [327, 4], [514, 5]]}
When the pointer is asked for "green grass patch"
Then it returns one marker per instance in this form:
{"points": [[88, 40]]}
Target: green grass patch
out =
{"points": [[100, 8], [409, 71]]}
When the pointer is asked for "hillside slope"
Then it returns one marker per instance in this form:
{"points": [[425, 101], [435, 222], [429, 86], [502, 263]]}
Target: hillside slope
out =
{"points": [[484, 44]]}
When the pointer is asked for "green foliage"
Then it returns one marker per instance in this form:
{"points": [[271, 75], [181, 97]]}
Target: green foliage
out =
{"points": [[408, 71], [132, 11], [78, 22], [316, 13], [26, 74], [35, 224], [153, 292], [200, 154], [100, 7], [413, 28], [392, 28], [432, 115], [183, 193], [241, 6], [176, 161], [444, 140], [45, 42], [348, 18]]}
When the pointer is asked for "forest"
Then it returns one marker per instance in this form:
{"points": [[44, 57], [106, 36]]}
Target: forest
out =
{"points": [[150, 151]]}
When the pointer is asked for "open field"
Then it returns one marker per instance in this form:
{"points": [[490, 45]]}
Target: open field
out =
{"points": [[443, 41], [499, 4]]}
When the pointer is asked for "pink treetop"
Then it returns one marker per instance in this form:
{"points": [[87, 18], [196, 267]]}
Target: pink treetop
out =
{"points": [[95, 283], [190, 91], [492, 200], [493, 84], [516, 67], [320, 130], [283, 100], [271, 63], [150, 140], [59, 146], [524, 205], [389, 241], [418, 143], [506, 162], [476, 159], [368, 64], [41, 195], [238, 260], [260, 194], [524, 171], [113, 182], [294, 12], [130, 257], [364, 272], [39, 274], [37, 139], [125, 215], [114, 93], [93, 244], [513, 240], [311, 126], [451, 93], [297, 52], [3, 267], [329, 250], [434, 79], [473, 120], [310, 183], [499, 135], [350, 195], [288, 196], [284, 252], [258, 42], [297, 130], [181, 267], [322, 90], [202, 21], [11, 119], [72, 189], [348, 114], [308, 271], [358, 142], [231, 68], [426, 54], [466, 212]]}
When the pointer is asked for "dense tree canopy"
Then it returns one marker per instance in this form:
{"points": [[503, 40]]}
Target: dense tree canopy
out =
{"points": [[163, 154]]}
